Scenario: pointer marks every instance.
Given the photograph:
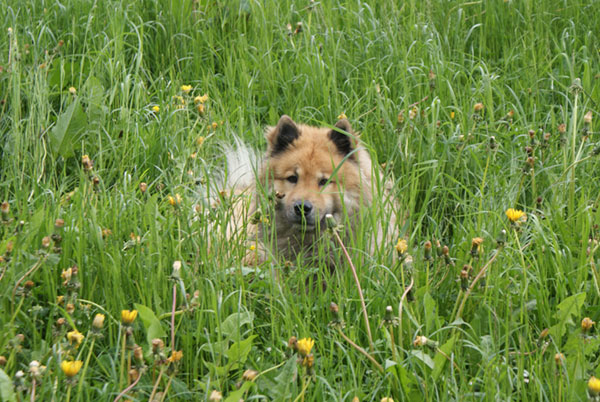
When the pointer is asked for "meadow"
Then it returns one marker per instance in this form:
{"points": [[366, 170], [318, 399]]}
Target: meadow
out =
{"points": [[113, 117]]}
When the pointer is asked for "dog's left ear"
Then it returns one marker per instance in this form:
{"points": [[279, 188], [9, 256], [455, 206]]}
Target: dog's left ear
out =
{"points": [[344, 141]]}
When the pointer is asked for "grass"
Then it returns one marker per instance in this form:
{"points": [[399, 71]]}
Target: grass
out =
{"points": [[500, 321]]}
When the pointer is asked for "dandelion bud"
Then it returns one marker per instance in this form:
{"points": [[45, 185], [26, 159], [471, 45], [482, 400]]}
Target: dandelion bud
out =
{"points": [[334, 308], [308, 361], [46, 242], [531, 161], [594, 387], [133, 375], [493, 145], [587, 118], [60, 322], [478, 107], [423, 341], [330, 221], [501, 238], [28, 285], [531, 134], [401, 117], [249, 375], [143, 187], [215, 396], [87, 163], [98, 321], [138, 353], [427, 251], [73, 91], [293, 343], [389, 314], [475, 245], [4, 209], [70, 308], [2, 361], [200, 108], [562, 128], [157, 345], [586, 324], [559, 359]]}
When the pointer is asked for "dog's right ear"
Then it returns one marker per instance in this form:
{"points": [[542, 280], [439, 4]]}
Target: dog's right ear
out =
{"points": [[280, 137]]}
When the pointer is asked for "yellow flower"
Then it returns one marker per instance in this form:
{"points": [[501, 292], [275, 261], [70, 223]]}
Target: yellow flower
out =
{"points": [[186, 88], [128, 317], [342, 116], [200, 108], [515, 215], [98, 322], [75, 337], [200, 141], [201, 99], [214, 125], [586, 324], [174, 201], [594, 386], [304, 346], [401, 246], [72, 91], [155, 109], [71, 368], [175, 356], [478, 107], [387, 399], [452, 114]]}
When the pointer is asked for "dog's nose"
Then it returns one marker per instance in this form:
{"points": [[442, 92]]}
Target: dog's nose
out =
{"points": [[303, 208]]}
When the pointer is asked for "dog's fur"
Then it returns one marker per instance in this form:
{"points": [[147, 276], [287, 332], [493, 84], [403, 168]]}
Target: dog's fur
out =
{"points": [[308, 173]]}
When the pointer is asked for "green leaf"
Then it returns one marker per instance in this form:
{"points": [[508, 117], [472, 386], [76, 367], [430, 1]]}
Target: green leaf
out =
{"points": [[6, 388], [65, 134], [430, 312], [238, 352], [568, 308], [440, 359], [281, 391], [151, 323], [425, 358], [238, 395], [235, 321]]}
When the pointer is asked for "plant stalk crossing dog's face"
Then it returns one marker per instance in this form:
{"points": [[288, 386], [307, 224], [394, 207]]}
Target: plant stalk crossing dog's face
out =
{"points": [[309, 168]]}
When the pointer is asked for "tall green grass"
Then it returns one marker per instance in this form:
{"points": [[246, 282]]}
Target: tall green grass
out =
{"points": [[408, 76]]}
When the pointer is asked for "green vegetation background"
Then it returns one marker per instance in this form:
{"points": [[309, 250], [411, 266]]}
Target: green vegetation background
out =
{"points": [[103, 78]]}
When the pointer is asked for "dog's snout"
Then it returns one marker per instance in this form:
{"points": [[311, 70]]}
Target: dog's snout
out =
{"points": [[303, 208]]}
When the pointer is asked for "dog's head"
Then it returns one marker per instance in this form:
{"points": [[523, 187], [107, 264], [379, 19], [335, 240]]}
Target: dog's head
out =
{"points": [[314, 171]]}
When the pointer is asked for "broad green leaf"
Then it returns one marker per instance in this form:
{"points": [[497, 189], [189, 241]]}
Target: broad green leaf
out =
{"points": [[281, 391], [430, 312], [566, 310], [238, 352], [65, 134], [441, 358], [237, 395], [151, 323], [424, 357], [6, 388], [235, 321]]}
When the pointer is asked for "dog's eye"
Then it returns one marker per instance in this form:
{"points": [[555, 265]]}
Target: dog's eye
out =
{"points": [[292, 179], [323, 181]]}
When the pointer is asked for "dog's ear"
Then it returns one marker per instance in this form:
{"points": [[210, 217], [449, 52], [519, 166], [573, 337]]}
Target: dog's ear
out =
{"points": [[282, 135], [343, 137]]}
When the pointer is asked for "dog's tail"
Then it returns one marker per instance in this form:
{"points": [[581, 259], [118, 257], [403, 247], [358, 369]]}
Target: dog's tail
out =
{"points": [[242, 166]]}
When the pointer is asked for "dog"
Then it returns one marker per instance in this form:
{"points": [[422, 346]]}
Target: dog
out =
{"points": [[307, 174]]}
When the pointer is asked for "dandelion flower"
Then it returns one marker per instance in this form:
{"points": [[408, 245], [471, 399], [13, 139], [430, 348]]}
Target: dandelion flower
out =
{"points": [[452, 114], [155, 109], [200, 108], [201, 99], [594, 386], [401, 246], [304, 346], [200, 141], [478, 107], [73, 91], [516, 215], [186, 88], [71, 368], [342, 116], [128, 317], [586, 324], [75, 337], [175, 356]]}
